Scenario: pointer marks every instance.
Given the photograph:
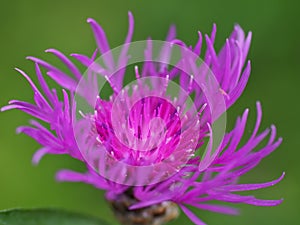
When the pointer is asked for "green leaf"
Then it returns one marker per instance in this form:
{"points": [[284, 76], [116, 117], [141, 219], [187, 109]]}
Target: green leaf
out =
{"points": [[46, 217]]}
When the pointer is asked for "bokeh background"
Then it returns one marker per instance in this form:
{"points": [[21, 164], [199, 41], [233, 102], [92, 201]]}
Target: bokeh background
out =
{"points": [[29, 27]]}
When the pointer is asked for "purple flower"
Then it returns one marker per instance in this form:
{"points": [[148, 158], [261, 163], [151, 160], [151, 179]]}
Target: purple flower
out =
{"points": [[142, 145]]}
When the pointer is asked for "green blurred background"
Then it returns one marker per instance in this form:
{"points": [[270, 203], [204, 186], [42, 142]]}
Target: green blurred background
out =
{"points": [[30, 27]]}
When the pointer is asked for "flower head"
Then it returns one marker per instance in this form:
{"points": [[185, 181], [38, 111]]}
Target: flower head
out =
{"points": [[153, 143]]}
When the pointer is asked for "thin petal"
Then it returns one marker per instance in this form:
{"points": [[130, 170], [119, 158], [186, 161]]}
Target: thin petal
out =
{"points": [[192, 216]]}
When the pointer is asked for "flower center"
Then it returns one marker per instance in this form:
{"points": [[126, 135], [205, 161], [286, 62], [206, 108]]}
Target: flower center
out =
{"points": [[145, 134]]}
